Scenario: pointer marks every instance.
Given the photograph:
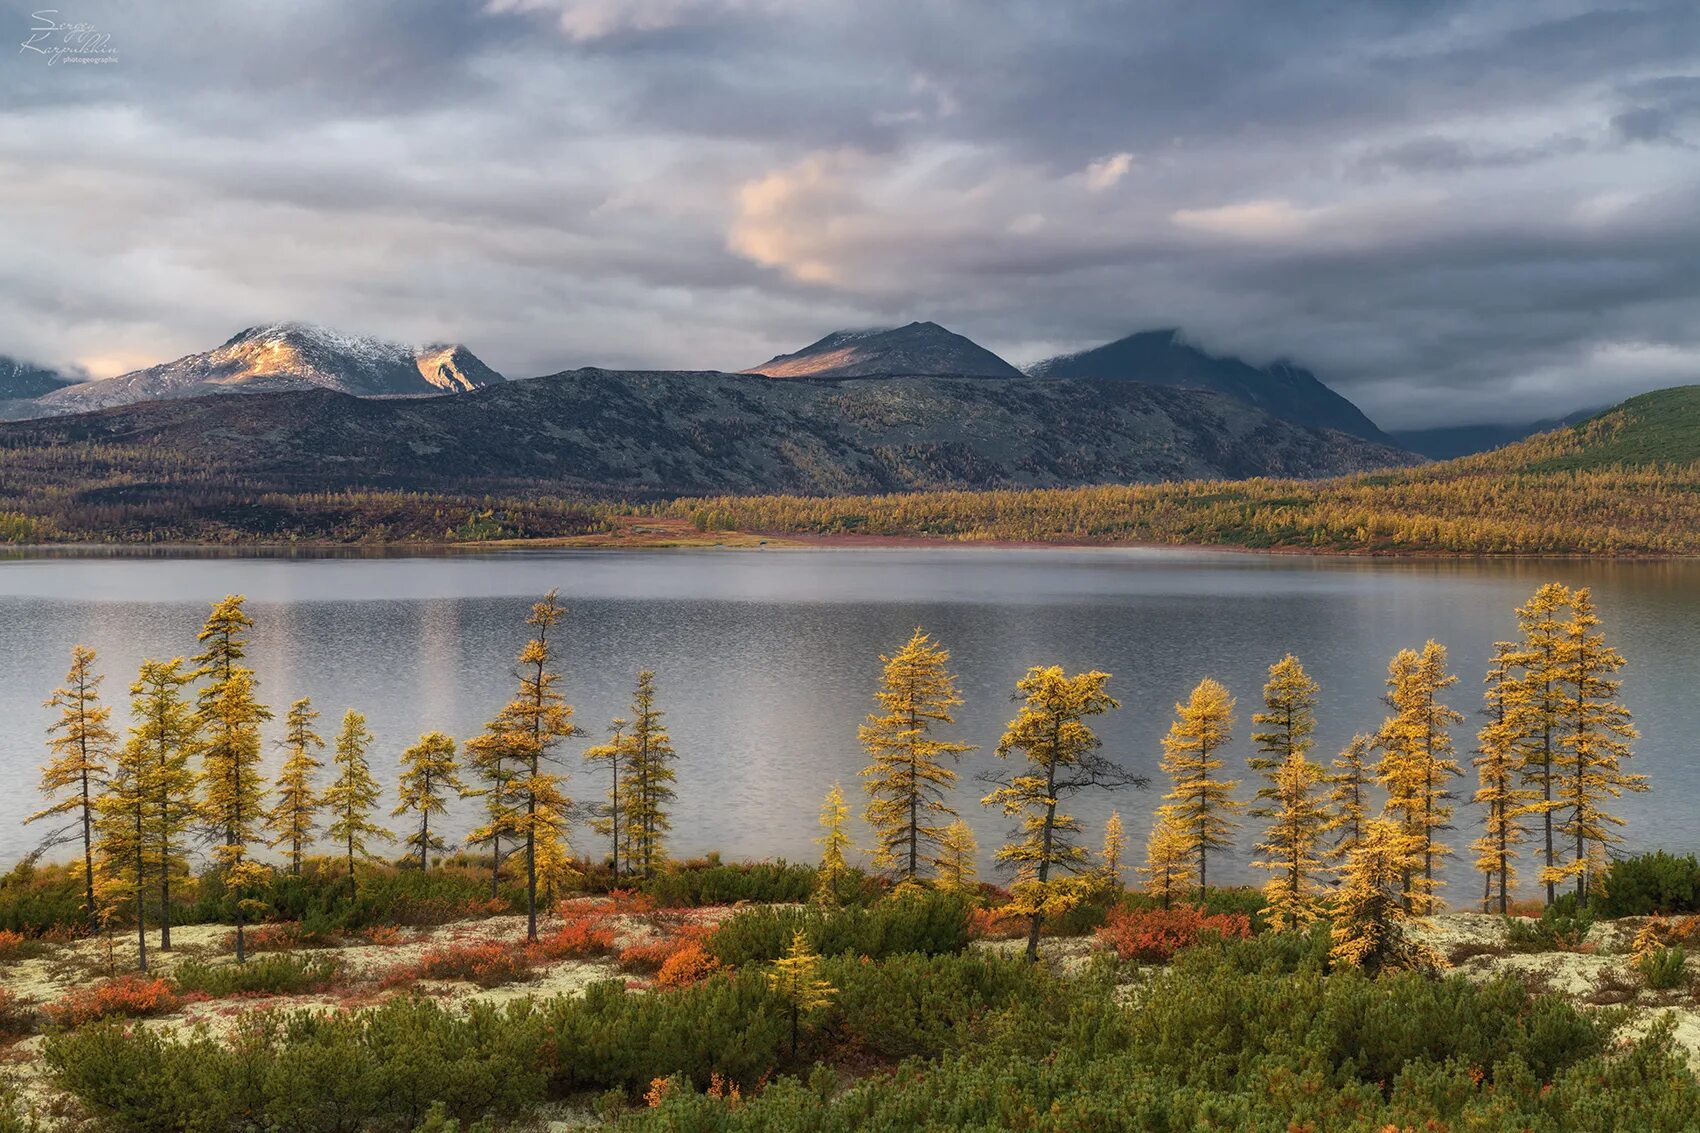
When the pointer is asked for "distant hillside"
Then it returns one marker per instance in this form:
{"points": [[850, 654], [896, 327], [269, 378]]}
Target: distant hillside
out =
{"points": [[268, 359], [649, 435], [919, 348], [20, 379], [1659, 428], [1165, 358], [1462, 440]]}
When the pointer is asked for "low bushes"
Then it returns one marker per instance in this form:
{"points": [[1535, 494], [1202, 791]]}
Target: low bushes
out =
{"points": [[1562, 927], [35, 898], [485, 963], [16, 1019], [711, 882], [280, 974], [688, 964], [1645, 884], [124, 997], [578, 937], [928, 922], [1154, 935]]}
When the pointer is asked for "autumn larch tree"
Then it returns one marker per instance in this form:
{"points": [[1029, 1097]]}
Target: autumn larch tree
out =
{"points": [[796, 980], [1287, 724], [124, 846], [1291, 842], [1052, 735], [294, 816], [833, 842], [1370, 907], [907, 777], [353, 795], [1417, 764], [957, 851], [1594, 741], [1199, 804], [493, 757], [229, 716], [533, 725], [1541, 656], [1348, 800], [81, 742], [1499, 790], [1169, 862], [608, 819], [649, 779], [1115, 845], [428, 773]]}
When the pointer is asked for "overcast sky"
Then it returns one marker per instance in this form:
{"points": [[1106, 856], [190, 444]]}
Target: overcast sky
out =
{"points": [[1450, 211]]}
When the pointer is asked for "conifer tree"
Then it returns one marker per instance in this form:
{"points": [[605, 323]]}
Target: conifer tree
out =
{"points": [[833, 842], [1369, 907], [608, 819], [1348, 800], [353, 795], [492, 756], [1297, 821], [229, 717], [1417, 765], [81, 742], [796, 979], [907, 777], [1199, 804], [1541, 694], [1169, 861], [1052, 734], [1499, 790], [650, 779], [294, 817], [428, 773], [124, 846], [532, 725], [1115, 844], [1594, 741], [957, 851], [1287, 724]]}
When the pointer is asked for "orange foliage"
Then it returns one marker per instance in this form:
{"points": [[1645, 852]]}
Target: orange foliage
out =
{"points": [[12, 945], [14, 1015], [578, 937], [688, 964], [995, 924], [487, 964], [131, 997], [1155, 935]]}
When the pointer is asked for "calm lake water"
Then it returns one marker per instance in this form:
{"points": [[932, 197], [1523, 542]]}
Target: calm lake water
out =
{"points": [[766, 659]]}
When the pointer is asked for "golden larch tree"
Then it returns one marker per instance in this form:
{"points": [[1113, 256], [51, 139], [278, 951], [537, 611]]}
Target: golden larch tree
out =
{"points": [[492, 756], [1541, 657], [1417, 765], [957, 853], [796, 979], [650, 778], [607, 818], [533, 724], [1115, 846], [1169, 862], [1369, 907], [1348, 799], [1291, 843], [429, 773], [1287, 724], [1593, 742], [1052, 735], [1499, 783], [907, 777], [834, 843], [1199, 805], [294, 816], [353, 795], [229, 715], [81, 744]]}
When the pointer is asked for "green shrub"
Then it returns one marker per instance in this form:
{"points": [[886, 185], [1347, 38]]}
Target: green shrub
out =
{"points": [[927, 922], [1561, 927], [35, 898], [710, 882], [1661, 968], [1645, 884], [279, 974]]}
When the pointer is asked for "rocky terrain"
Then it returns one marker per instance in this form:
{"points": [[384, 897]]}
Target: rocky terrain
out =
{"points": [[268, 359], [918, 348], [657, 433]]}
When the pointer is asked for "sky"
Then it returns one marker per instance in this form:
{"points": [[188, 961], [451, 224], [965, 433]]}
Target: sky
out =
{"points": [[1450, 211]]}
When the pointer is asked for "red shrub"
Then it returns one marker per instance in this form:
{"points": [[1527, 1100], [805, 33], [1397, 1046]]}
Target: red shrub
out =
{"points": [[15, 1018], [688, 964], [649, 957], [995, 924], [126, 996], [13, 946], [384, 935], [273, 936], [578, 937], [487, 964], [1155, 935]]}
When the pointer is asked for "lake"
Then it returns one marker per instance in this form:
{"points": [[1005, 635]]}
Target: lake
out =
{"points": [[766, 660]]}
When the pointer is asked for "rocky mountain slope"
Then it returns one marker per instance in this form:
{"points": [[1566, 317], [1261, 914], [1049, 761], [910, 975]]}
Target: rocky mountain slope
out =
{"points": [[20, 380], [919, 348], [661, 433], [278, 357], [1165, 358]]}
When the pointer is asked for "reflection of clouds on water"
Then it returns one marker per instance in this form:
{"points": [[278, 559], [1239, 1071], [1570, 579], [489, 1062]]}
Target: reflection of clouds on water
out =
{"points": [[766, 662]]}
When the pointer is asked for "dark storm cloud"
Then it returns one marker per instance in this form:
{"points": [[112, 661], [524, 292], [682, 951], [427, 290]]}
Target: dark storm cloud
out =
{"points": [[1453, 211]]}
